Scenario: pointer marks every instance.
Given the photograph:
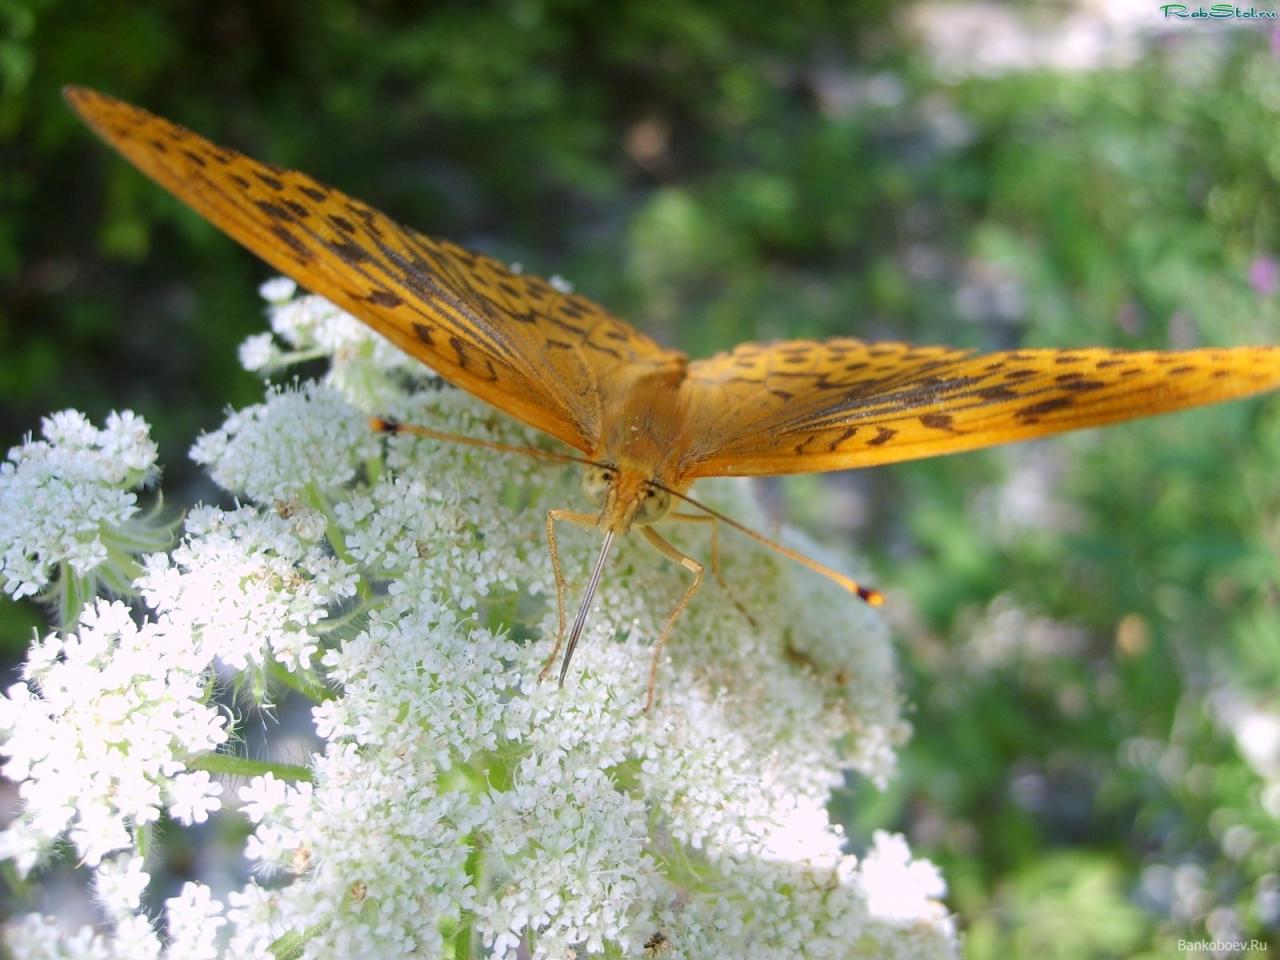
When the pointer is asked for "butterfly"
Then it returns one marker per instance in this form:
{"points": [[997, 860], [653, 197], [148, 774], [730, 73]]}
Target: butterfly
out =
{"points": [[647, 420]]}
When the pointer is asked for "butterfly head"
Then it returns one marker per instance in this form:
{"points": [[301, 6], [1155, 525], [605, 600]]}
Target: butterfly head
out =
{"points": [[624, 497]]}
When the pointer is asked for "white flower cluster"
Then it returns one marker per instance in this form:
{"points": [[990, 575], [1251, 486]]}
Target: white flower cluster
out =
{"points": [[193, 919], [314, 328], [248, 585], [68, 501], [97, 735], [457, 807], [299, 440]]}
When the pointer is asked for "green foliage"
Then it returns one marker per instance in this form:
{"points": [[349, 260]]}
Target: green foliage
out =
{"points": [[718, 173]]}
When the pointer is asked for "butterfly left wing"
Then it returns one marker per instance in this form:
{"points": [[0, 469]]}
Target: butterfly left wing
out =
{"points": [[803, 406], [550, 358]]}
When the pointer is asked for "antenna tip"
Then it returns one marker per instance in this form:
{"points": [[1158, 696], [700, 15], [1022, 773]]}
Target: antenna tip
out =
{"points": [[873, 598], [381, 425]]}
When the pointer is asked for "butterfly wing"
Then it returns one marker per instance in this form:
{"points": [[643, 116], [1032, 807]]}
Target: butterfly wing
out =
{"points": [[803, 406], [547, 357]]}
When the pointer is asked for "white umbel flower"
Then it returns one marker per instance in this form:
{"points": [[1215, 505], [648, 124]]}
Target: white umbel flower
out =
{"points": [[454, 806], [99, 730], [68, 501], [299, 440], [310, 327], [246, 587]]}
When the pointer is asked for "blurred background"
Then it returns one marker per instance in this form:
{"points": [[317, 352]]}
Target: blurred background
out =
{"points": [[1089, 627]]}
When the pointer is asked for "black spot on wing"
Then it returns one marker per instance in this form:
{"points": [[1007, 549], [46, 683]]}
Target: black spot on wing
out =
{"points": [[384, 298], [274, 210], [848, 432], [298, 248], [351, 252], [937, 421], [601, 348], [883, 436], [1032, 412], [800, 447]]}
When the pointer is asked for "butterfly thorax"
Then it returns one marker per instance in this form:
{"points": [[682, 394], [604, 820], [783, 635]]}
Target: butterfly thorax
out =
{"points": [[643, 444]]}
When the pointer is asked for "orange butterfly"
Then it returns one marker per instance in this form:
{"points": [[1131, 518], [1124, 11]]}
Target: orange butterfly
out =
{"points": [[648, 421]]}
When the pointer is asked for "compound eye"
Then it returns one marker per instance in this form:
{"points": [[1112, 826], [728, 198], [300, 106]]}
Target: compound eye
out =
{"points": [[655, 506], [596, 482]]}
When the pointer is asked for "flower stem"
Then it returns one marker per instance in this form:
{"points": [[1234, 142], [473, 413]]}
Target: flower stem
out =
{"points": [[231, 765], [300, 683]]}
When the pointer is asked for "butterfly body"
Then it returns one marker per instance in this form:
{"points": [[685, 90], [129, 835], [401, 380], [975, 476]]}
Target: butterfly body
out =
{"points": [[647, 421]]}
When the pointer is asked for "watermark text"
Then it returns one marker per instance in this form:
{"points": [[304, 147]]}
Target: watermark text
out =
{"points": [[1215, 11], [1222, 946]]}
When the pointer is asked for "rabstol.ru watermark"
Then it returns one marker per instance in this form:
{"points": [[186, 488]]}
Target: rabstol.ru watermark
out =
{"points": [[1215, 11]]}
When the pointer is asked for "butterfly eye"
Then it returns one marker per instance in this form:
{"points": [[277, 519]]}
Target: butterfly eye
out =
{"points": [[656, 503], [596, 482]]}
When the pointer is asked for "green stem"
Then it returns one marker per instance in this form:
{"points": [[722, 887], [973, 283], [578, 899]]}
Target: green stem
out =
{"points": [[290, 357], [316, 499], [464, 938], [301, 684], [231, 765], [18, 886], [142, 840], [72, 591]]}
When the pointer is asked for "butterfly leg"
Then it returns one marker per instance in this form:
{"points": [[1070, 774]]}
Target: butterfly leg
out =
{"points": [[694, 567], [581, 520], [715, 558]]}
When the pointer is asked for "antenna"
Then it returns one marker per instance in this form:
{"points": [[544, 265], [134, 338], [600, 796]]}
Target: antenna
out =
{"points": [[383, 425], [869, 595]]}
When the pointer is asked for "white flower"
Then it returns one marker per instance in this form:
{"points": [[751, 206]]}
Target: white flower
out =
{"points": [[68, 499], [277, 290], [193, 796], [262, 796], [194, 918], [33, 937], [96, 733], [246, 587], [300, 439], [900, 889], [452, 798], [312, 327], [260, 353], [134, 938], [119, 883]]}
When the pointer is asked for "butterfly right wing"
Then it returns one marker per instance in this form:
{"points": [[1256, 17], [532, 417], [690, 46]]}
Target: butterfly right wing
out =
{"points": [[803, 406], [544, 356]]}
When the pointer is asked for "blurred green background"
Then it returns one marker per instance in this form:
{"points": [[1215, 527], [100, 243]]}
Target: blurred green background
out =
{"points": [[1089, 626]]}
